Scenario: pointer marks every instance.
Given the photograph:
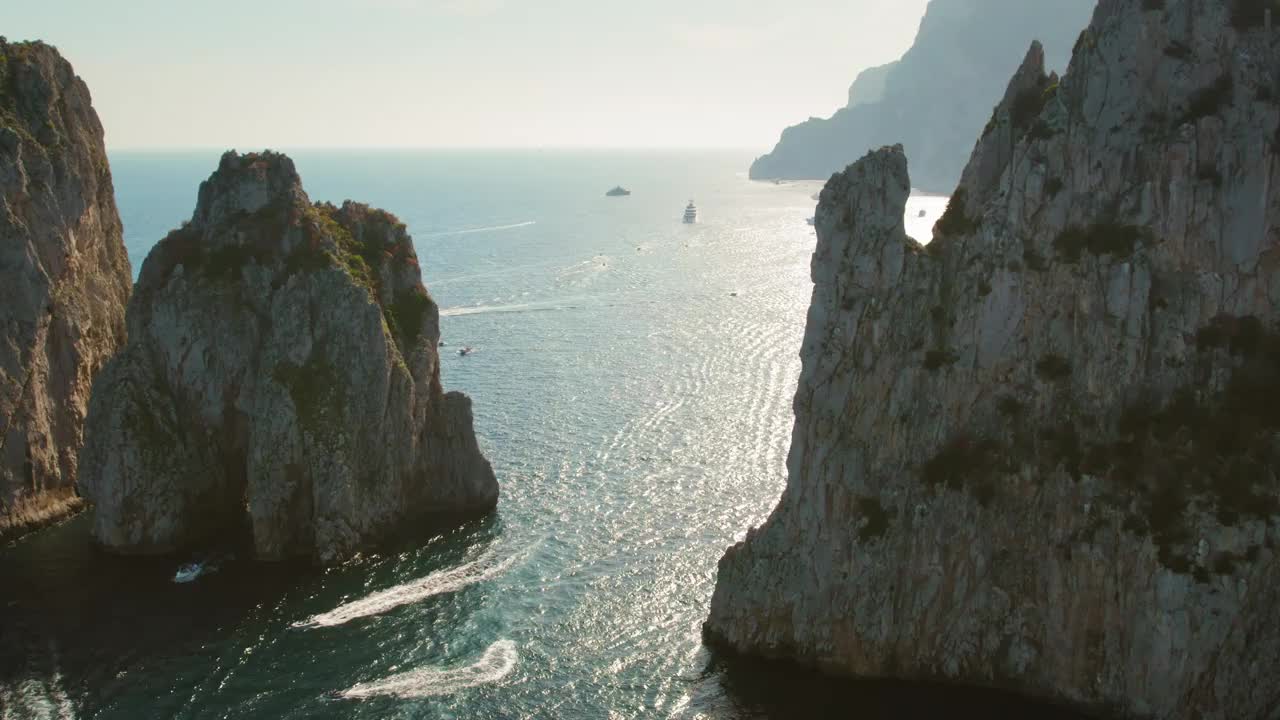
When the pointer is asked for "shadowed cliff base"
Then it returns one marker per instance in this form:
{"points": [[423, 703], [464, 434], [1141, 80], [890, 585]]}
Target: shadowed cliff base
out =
{"points": [[29, 514], [739, 687]]}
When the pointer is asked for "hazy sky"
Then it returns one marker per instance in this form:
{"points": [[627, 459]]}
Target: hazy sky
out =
{"points": [[463, 73]]}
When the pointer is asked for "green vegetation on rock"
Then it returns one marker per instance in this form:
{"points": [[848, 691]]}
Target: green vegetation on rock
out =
{"points": [[407, 313], [1195, 455], [1115, 240], [954, 222], [875, 519], [1210, 101], [316, 391], [1250, 14]]}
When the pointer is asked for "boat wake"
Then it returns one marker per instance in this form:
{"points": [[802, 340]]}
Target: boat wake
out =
{"points": [[495, 664], [519, 308], [39, 695], [483, 568], [472, 231]]}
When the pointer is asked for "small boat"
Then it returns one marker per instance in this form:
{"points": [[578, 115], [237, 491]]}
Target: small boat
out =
{"points": [[618, 191], [690, 213], [465, 351], [195, 570], [188, 573], [811, 221], [922, 213]]}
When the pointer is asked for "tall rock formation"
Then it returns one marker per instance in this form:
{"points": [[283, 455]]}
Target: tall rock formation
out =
{"points": [[1042, 452], [64, 279], [935, 99], [281, 381]]}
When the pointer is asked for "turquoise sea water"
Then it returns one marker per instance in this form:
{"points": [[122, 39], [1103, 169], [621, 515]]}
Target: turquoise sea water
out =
{"points": [[632, 379]]}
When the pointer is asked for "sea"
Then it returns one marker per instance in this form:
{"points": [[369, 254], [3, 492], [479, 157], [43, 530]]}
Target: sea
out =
{"points": [[632, 378]]}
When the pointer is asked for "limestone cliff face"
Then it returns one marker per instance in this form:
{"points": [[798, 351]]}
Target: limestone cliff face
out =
{"points": [[281, 378], [64, 279], [1042, 451], [935, 99]]}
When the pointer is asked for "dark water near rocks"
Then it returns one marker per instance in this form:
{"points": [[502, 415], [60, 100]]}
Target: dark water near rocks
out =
{"points": [[632, 383]]}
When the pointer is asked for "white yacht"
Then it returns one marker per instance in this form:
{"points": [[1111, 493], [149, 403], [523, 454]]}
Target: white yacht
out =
{"points": [[691, 213]]}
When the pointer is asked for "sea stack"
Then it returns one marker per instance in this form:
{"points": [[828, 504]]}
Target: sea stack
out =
{"points": [[1041, 452], [64, 280], [280, 384]]}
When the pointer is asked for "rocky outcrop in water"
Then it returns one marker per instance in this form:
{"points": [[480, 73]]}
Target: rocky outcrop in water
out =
{"points": [[281, 379], [1042, 452], [936, 98], [64, 280]]}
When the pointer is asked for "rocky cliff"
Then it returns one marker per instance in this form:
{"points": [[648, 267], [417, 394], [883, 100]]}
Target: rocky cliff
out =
{"points": [[1042, 451], [868, 87], [64, 279], [937, 97], [281, 382]]}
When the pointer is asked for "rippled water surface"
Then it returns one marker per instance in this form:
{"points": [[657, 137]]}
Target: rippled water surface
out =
{"points": [[632, 379]]}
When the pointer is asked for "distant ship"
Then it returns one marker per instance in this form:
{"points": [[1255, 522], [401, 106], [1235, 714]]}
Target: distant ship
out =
{"points": [[691, 213], [811, 221], [618, 191]]}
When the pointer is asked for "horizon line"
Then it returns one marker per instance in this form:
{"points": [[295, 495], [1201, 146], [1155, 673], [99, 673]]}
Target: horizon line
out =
{"points": [[444, 148]]}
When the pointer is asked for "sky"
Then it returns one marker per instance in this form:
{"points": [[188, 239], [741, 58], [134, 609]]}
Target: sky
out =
{"points": [[463, 73]]}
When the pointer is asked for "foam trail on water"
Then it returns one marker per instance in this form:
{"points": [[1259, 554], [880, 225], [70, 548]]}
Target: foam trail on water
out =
{"points": [[437, 583], [494, 665], [521, 308], [493, 228]]}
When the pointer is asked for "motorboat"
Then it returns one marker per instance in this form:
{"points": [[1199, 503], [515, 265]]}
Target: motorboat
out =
{"points": [[193, 571], [618, 191], [188, 573], [811, 221], [690, 213], [465, 351]]}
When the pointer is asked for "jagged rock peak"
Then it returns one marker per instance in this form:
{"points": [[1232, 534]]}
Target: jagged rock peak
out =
{"points": [[281, 384], [1016, 115], [64, 279], [247, 184], [1041, 453]]}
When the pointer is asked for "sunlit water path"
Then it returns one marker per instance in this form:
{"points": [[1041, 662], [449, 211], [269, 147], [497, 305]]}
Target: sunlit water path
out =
{"points": [[632, 379]]}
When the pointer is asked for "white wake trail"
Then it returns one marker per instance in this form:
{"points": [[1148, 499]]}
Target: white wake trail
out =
{"points": [[471, 231], [483, 568], [495, 664]]}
